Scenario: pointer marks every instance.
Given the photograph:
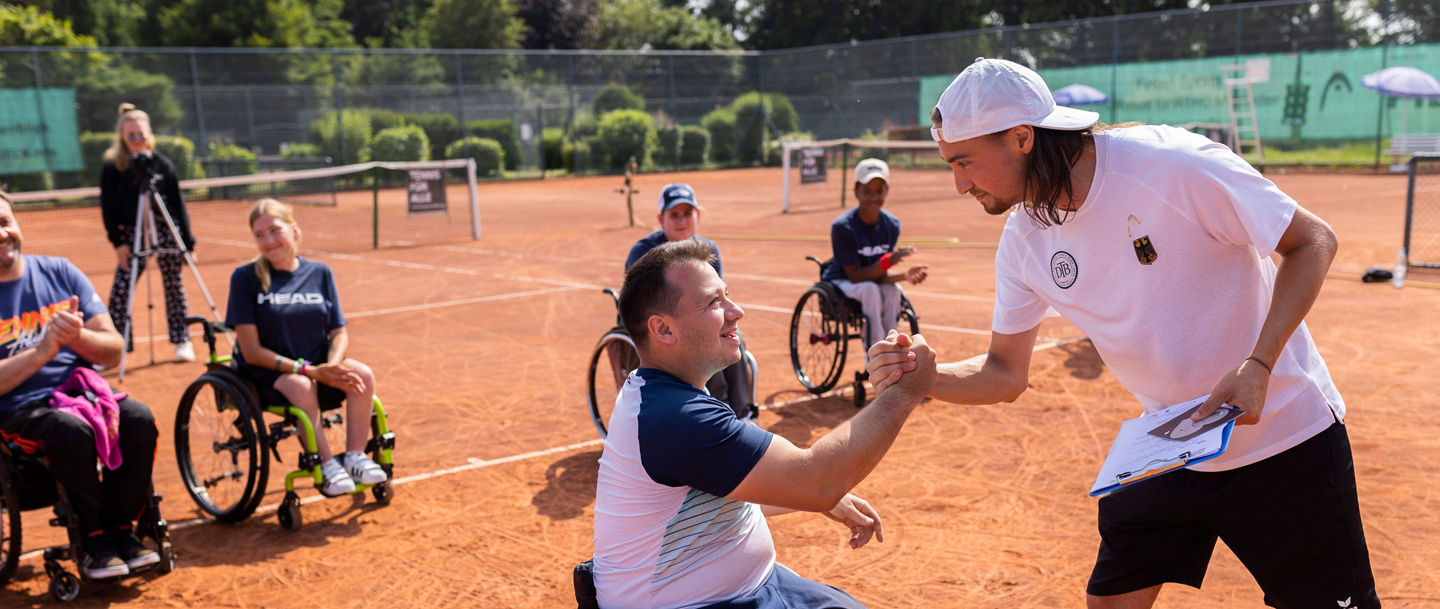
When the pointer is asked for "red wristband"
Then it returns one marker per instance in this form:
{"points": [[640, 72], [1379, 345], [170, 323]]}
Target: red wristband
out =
{"points": [[885, 263]]}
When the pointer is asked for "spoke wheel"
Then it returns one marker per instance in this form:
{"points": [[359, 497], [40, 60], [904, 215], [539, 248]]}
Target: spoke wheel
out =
{"points": [[220, 446], [817, 340], [614, 359], [9, 523]]}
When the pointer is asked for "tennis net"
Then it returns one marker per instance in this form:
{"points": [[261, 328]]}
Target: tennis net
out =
{"points": [[818, 167], [340, 209]]}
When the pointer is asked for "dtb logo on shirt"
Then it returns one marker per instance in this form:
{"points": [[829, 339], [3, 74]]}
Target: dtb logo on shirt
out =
{"points": [[874, 250], [289, 299]]}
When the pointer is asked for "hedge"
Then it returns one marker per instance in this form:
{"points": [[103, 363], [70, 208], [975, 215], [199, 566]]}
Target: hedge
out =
{"points": [[616, 96], [357, 131], [407, 143], [627, 133], [720, 124], [489, 155]]}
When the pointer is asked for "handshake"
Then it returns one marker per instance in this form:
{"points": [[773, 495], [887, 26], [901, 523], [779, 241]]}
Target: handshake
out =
{"points": [[904, 362]]}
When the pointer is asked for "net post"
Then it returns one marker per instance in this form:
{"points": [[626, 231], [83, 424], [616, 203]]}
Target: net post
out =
{"points": [[785, 175], [844, 169], [475, 197], [375, 208], [1410, 202]]}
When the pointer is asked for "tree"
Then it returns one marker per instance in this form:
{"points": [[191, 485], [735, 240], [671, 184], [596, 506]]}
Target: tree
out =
{"points": [[256, 23], [109, 22], [778, 24], [394, 23], [559, 24], [474, 24], [647, 24]]}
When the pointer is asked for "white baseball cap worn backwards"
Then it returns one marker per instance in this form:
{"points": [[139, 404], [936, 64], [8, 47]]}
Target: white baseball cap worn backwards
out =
{"points": [[871, 169], [993, 95]]}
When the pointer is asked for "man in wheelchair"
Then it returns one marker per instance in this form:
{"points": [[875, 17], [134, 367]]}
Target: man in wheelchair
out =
{"points": [[684, 486], [863, 242], [51, 324], [680, 220]]}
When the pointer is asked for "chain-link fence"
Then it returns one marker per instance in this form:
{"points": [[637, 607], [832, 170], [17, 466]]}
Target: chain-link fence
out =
{"points": [[538, 105]]}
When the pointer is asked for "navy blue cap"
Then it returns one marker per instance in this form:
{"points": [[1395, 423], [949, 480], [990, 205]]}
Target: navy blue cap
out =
{"points": [[677, 194]]}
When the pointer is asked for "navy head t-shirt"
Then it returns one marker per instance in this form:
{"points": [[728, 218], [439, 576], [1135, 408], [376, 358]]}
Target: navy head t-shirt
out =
{"points": [[295, 317]]}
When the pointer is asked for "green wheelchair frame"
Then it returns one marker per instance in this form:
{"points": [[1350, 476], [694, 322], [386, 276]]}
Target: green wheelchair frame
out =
{"points": [[227, 478]]}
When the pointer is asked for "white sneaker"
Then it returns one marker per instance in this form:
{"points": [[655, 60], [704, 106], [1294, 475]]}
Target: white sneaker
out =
{"points": [[337, 481], [185, 352], [362, 469]]}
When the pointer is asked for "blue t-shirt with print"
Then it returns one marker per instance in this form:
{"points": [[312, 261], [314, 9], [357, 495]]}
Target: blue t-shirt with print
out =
{"points": [[855, 243], [295, 317], [26, 305], [656, 238]]}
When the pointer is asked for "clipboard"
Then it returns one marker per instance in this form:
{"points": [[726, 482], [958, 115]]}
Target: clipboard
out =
{"points": [[1164, 441]]}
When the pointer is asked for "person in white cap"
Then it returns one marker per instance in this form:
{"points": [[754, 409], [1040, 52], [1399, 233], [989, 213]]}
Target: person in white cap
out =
{"points": [[863, 245], [1157, 244], [680, 220]]}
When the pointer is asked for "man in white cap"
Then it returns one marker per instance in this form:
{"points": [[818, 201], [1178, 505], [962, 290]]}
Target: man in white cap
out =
{"points": [[680, 220], [863, 245], [1156, 243]]}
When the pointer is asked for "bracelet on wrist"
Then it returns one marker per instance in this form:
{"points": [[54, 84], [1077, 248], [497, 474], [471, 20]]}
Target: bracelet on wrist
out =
{"points": [[1264, 365], [295, 366], [885, 262], [279, 362]]}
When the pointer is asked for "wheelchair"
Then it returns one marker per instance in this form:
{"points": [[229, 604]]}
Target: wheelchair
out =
{"points": [[223, 446], [25, 485], [825, 320], [615, 357]]}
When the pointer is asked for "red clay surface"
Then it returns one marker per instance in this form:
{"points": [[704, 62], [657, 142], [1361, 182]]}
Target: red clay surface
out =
{"points": [[481, 347]]}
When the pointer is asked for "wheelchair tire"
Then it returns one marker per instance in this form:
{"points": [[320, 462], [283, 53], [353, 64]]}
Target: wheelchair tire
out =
{"points": [[289, 513], [221, 446], [64, 587], [10, 529], [383, 492], [908, 316], [818, 339], [604, 386]]}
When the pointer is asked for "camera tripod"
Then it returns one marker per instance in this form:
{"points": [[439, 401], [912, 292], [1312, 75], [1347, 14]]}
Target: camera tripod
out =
{"points": [[144, 246]]}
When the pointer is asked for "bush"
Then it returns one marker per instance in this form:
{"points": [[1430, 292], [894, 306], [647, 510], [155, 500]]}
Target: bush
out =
{"points": [[616, 96], [586, 126], [501, 130], [381, 119], [406, 143], [627, 133], [489, 155], [300, 150], [720, 124], [750, 120], [694, 145], [28, 182], [230, 152], [553, 141], [181, 153], [440, 127], [578, 156], [357, 130], [100, 92]]}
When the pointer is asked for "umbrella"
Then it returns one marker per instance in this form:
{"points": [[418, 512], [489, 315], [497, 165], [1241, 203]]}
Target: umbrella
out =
{"points": [[1079, 95], [1401, 81]]}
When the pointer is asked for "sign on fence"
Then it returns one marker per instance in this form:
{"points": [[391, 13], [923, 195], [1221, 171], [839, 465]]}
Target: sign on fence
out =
{"points": [[812, 165], [426, 193], [38, 131]]}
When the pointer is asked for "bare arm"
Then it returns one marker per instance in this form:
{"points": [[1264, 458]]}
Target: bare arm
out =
{"points": [[94, 339], [1306, 251], [339, 345], [1001, 375], [878, 273], [99, 342], [815, 479]]}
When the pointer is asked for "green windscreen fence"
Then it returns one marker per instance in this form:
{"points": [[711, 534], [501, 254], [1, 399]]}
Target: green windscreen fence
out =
{"points": [[1336, 106]]}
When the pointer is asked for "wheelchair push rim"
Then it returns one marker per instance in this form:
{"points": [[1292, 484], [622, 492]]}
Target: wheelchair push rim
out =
{"points": [[607, 374], [221, 447], [10, 529], [818, 340]]}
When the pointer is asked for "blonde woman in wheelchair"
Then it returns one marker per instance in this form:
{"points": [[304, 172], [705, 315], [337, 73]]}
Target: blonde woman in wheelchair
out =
{"points": [[292, 341]]}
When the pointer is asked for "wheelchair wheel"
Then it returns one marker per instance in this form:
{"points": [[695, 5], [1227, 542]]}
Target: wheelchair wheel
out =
{"points": [[818, 340], [64, 587], [908, 316], [9, 523], [614, 358], [221, 447]]}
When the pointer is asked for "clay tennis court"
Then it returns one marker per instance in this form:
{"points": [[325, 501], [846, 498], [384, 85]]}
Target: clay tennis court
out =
{"points": [[481, 349]]}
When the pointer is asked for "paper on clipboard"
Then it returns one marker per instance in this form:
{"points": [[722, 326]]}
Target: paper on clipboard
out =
{"points": [[1163, 441]]}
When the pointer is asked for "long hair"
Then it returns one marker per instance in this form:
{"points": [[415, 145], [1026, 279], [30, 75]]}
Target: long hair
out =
{"points": [[1047, 173], [118, 153], [281, 212]]}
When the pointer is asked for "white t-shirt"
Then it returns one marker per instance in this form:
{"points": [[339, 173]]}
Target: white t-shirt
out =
{"points": [[665, 534], [1170, 328]]}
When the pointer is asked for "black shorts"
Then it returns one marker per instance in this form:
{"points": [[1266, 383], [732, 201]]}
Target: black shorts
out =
{"points": [[264, 381], [1292, 519]]}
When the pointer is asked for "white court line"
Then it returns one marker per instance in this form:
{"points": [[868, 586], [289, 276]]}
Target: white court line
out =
{"points": [[473, 463]]}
